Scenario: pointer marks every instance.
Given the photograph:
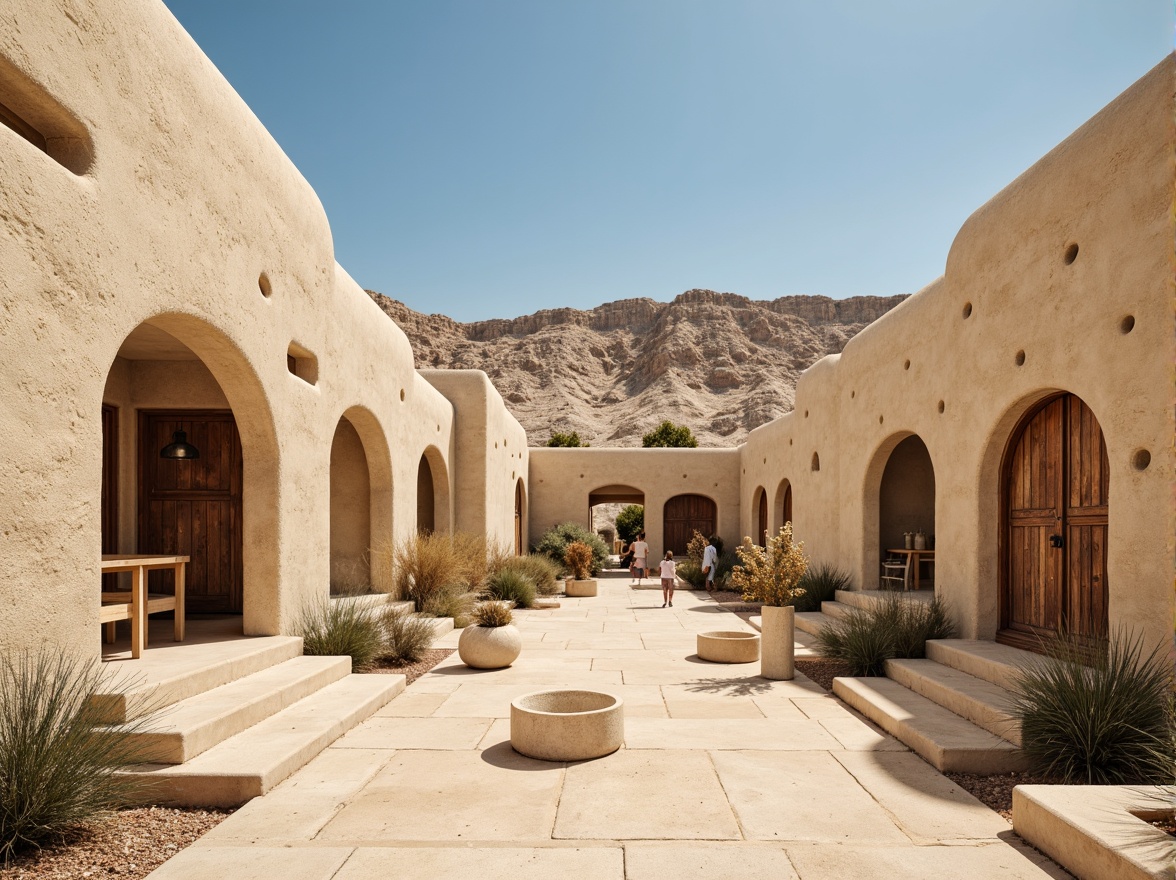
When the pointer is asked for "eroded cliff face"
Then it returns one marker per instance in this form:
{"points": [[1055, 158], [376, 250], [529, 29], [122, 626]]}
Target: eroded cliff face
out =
{"points": [[721, 363]]}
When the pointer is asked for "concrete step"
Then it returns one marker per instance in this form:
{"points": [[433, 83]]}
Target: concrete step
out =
{"points": [[867, 599], [999, 664], [182, 731], [836, 610], [947, 741], [175, 672], [983, 703], [813, 622], [442, 626], [251, 763]]}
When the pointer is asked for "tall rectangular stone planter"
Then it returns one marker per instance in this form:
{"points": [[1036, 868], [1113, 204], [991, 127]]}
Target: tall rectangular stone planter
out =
{"points": [[776, 642]]}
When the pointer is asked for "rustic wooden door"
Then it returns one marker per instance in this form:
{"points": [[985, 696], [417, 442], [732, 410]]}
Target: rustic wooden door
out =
{"points": [[518, 519], [763, 518], [110, 489], [1056, 491], [193, 507], [786, 513], [684, 515]]}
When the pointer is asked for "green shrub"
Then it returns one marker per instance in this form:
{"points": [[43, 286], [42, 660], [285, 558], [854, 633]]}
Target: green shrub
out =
{"points": [[56, 769], [406, 636], [341, 628], [452, 600], [492, 614], [820, 584], [555, 542], [725, 563], [561, 438], [540, 569], [671, 435], [512, 586], [690, 571], [892, 628], [630, 522], [1106, 723]]}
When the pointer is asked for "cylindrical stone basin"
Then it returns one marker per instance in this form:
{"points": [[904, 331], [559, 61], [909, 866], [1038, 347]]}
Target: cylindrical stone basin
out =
{"points": [[729, 647], [567, 725]]}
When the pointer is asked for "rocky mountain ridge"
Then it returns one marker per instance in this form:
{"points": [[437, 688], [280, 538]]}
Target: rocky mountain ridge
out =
{"points": [[719, 362]]}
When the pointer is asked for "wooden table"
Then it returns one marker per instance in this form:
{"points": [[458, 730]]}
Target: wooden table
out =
{"points": [[915, 557], [138, 603]]}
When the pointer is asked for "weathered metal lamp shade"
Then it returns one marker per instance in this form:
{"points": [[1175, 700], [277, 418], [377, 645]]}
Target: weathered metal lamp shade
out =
{"points": [[179, 447]]}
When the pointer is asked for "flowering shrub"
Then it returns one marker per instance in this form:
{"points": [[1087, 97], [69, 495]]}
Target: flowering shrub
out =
{"points": [[770, 575], [578, 558]]}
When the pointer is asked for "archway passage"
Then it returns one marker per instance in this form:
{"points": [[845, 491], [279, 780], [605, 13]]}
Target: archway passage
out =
{"points": [[906, 496], [684, 515], [605, 504], [1056, 488], [761, 534], [784, 502], [426, 502], [351, 507]]}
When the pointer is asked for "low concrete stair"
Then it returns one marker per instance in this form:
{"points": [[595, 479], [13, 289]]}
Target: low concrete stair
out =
{"points": [[944, 739], [985, 704]]}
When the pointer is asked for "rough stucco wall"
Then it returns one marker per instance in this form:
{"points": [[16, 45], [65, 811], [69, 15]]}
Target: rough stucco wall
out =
{"points": [[351, 521], [562, 480], [188, 201]]}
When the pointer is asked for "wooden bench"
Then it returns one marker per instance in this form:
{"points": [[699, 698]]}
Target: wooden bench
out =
{"points": [[135, 604]]}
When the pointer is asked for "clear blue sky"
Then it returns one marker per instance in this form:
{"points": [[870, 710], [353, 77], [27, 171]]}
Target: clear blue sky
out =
{"points": [[488, 159]]}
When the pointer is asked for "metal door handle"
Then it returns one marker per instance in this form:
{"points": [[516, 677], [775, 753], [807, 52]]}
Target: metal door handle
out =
{"points": [[1056, 541]]}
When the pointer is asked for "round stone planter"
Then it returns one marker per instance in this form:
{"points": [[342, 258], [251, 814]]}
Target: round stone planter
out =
{"points": [[566, 725], [575, 589], [729, 647], [489, 647], [776, 637]]}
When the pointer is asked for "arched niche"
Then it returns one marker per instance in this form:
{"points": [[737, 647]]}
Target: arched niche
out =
{"points": [[361, 503], [432, 492], [782, 504], [899, 498]]}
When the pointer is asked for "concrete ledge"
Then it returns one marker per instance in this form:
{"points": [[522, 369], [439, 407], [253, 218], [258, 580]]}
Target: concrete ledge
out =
{"points": [[1095, 831]]}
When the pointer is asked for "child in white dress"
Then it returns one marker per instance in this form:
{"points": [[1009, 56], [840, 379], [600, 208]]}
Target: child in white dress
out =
{"points": [[668, 574]]}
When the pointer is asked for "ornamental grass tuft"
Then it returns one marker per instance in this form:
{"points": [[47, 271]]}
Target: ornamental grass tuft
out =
{"points": [[341, 628], [58, 766], [1098, 713], [513, 586], [894, 628], [542, 570], [820, 584], [493, 614], [406, 636]]}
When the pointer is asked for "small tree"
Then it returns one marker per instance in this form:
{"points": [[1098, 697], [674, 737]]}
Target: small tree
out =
{"points": [[578, 558], [572, 438], [770, 575], [630, 522], [667, 434]]}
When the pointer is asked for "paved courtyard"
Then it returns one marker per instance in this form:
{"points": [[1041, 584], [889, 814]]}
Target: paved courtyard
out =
{"points": [[723, 774]]}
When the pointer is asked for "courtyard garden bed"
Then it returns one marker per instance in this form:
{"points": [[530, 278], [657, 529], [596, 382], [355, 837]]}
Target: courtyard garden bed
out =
{"points": [[413, 671]]}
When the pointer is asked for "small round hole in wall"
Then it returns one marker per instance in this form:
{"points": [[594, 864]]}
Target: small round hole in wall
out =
{"points": [[402, 395], [816, 465], [1071, 253], [263, 284], [789, 441], [881, 419], [1020, 358], [906, 365], [438, 429], [495, 444], [852, 395], [806, 413], [941, 407], [1127, 324], [765, 461], [967, 311], [1141, 459], [683, 476]]}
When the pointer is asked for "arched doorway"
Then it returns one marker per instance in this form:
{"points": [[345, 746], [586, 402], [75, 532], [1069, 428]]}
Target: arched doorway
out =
{"points": [[177, 373], [906, 496], [520, 514], [351, 512], [605, 505], [1055, 489], [426, 500], [682, 516], [784, 502], [760, 503]]}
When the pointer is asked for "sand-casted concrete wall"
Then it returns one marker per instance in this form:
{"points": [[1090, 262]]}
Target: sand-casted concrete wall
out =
{"points": [[563, 482], [1061, 283]]}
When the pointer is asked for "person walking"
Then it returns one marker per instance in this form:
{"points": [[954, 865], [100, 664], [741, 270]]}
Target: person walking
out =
{"points": [[710, 560], [640, 558], [668, 574]]}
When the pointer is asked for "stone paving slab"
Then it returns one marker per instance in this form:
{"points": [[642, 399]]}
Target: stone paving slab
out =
{"points": [[706, 861], [1006, 861], [499, 863]]}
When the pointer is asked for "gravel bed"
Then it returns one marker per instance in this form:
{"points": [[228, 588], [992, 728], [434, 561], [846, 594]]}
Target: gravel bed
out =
{"points": [[413, 671], [996, 792], [128, 844], [822, 671]]}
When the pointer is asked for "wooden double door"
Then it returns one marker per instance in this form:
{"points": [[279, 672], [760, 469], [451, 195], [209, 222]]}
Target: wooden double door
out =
{"points": [[683, 516], [193, 507], [1056, 488]]}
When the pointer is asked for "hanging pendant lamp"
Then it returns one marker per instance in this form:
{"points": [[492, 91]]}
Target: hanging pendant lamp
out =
{"points": [[179, 448]]}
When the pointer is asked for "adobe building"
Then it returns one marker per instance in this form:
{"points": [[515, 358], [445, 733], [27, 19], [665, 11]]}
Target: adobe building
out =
{"points": [[165, 268]]}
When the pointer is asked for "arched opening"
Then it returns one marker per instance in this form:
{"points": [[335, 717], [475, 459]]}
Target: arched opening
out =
{"points": [[426, 502], [520, 519], [616, 513], [783, 504], [432, 493], [760, 504], [176, 373], [1055, 487], [682, 516], [351, 513], [906, 503]]}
